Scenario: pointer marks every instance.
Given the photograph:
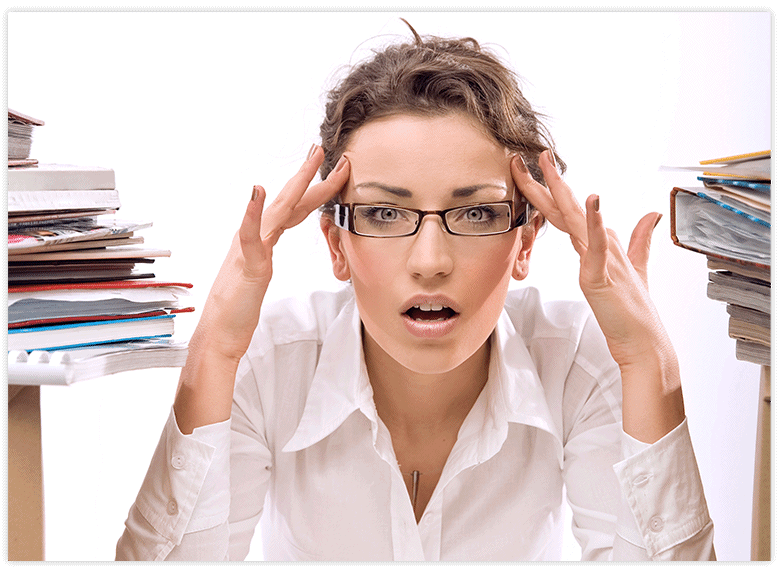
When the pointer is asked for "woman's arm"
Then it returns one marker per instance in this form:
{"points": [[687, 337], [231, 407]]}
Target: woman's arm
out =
{"points": [[230, 315], [615, 285], [181, 511]]}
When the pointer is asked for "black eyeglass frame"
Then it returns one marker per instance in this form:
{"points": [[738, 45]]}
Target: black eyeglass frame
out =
{"points": [[344, 215]]}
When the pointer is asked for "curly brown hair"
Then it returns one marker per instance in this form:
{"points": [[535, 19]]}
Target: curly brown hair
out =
{"points": [[434, 76]]}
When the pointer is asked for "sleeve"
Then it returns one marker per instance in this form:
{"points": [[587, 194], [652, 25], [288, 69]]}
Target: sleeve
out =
{"points": [[630, 501], [203, 493]]}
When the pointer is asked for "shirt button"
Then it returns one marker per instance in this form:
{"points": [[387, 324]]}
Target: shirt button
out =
{"points": [[656, 524], [173, 508], [177, 461], [641, 480]]}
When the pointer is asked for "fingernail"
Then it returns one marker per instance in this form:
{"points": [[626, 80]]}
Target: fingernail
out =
{"points": [[596, 204], [340, 164], [311, 151], [658, 220], [255, 192], [521, 164]]}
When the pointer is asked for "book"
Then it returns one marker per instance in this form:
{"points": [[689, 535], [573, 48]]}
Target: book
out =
{"points": [[20, 130], [750, 324], [736, 289], [118, 252], [99, 243], [67, 301], [701, 224], [50, 176], [754, 352], [75, 278], [82, 231], [77, 271], [754, 271], [755, 166], [67, 367], [750, 193], [80, 319], [87, 333], [28, 219], [42, 201]]}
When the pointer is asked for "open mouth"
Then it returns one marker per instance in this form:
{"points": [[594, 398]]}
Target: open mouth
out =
{"points": [[430, 313]]}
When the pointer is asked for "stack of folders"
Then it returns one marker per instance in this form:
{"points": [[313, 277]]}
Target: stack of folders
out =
{"points": [[728, 219], [79, 307]]}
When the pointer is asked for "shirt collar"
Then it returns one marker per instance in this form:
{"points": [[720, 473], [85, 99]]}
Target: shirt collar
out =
{"points": [[340, 384], [513, 393]]}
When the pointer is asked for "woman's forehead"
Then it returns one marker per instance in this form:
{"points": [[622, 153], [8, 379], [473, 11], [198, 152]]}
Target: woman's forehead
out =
{"points": [[408, 156]]}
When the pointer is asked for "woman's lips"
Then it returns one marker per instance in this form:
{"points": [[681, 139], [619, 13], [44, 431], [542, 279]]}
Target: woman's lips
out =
{"points": [[430, 329], [430, 316]]}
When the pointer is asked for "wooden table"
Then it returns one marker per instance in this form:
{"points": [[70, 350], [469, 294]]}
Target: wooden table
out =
{"points": [[25, 476]]}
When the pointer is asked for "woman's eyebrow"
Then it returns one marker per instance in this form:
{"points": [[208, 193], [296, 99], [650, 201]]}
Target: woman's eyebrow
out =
{"points": [[470, 190], [464, 192], [397, 191]]}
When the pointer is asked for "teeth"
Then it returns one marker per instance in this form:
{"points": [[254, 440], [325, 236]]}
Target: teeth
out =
{"points": [[429, 307]]}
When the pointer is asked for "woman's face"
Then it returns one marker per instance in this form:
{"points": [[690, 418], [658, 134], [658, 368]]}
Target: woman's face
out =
{"points": [[431, 300]]}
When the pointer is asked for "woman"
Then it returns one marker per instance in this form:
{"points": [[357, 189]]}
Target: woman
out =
{"points": [[425, 413]]}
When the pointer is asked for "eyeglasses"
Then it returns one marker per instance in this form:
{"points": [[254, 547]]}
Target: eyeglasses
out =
{"points": [[380, 220]]}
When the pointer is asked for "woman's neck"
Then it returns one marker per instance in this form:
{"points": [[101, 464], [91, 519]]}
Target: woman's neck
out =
{"points": [[415, 403]]}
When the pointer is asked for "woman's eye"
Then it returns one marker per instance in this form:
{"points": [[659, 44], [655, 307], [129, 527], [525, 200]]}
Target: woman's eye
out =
{"points": [[387, 214], [479, 214], [379, 214]]}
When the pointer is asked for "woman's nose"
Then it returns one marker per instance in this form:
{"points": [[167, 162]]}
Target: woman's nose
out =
{"points": [[430, 254]]}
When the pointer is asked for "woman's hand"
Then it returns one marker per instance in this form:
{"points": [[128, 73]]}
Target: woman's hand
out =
{"points": [[232, 309], [614, 283]]}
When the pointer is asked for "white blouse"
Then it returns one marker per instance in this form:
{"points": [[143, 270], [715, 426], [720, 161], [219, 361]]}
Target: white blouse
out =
{"points": [[307, 456]]}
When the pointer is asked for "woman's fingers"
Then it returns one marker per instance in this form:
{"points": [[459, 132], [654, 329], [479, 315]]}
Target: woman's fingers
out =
{"points": [[639, 245], [281, 208], [556, 201], [249, 232], [320, 193], [571, 211], [594, 261], [298, 199]]}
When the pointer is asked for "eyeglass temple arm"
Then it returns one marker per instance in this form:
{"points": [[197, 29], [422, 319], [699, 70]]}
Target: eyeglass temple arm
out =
{"points": [[525, 214], [341, 216]]}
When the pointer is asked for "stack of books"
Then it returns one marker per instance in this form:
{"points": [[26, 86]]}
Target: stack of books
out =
{"points": [[20, 129], [728, 219], [78, 305]]}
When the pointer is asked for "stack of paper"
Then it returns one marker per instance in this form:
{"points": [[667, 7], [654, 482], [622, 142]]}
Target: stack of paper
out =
{"points": [[728, 218], [75, 280]]}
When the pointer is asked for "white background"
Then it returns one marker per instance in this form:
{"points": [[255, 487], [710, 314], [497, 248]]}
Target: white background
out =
{"points": [[192, 109]]}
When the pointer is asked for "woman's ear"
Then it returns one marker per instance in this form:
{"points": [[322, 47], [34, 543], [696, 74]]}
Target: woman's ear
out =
{"points": [[338, 259], [528, 235]]}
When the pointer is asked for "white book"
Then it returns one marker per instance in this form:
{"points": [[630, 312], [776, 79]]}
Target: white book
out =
{"points": [[50, 200], [66, 367], [48, 176]]}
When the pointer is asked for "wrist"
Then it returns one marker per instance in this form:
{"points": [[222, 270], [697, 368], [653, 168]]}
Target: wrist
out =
{"points": [[652, 396]]}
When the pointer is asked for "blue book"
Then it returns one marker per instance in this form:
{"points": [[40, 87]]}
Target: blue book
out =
{"points": [[73, 335], [753, 185]]}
